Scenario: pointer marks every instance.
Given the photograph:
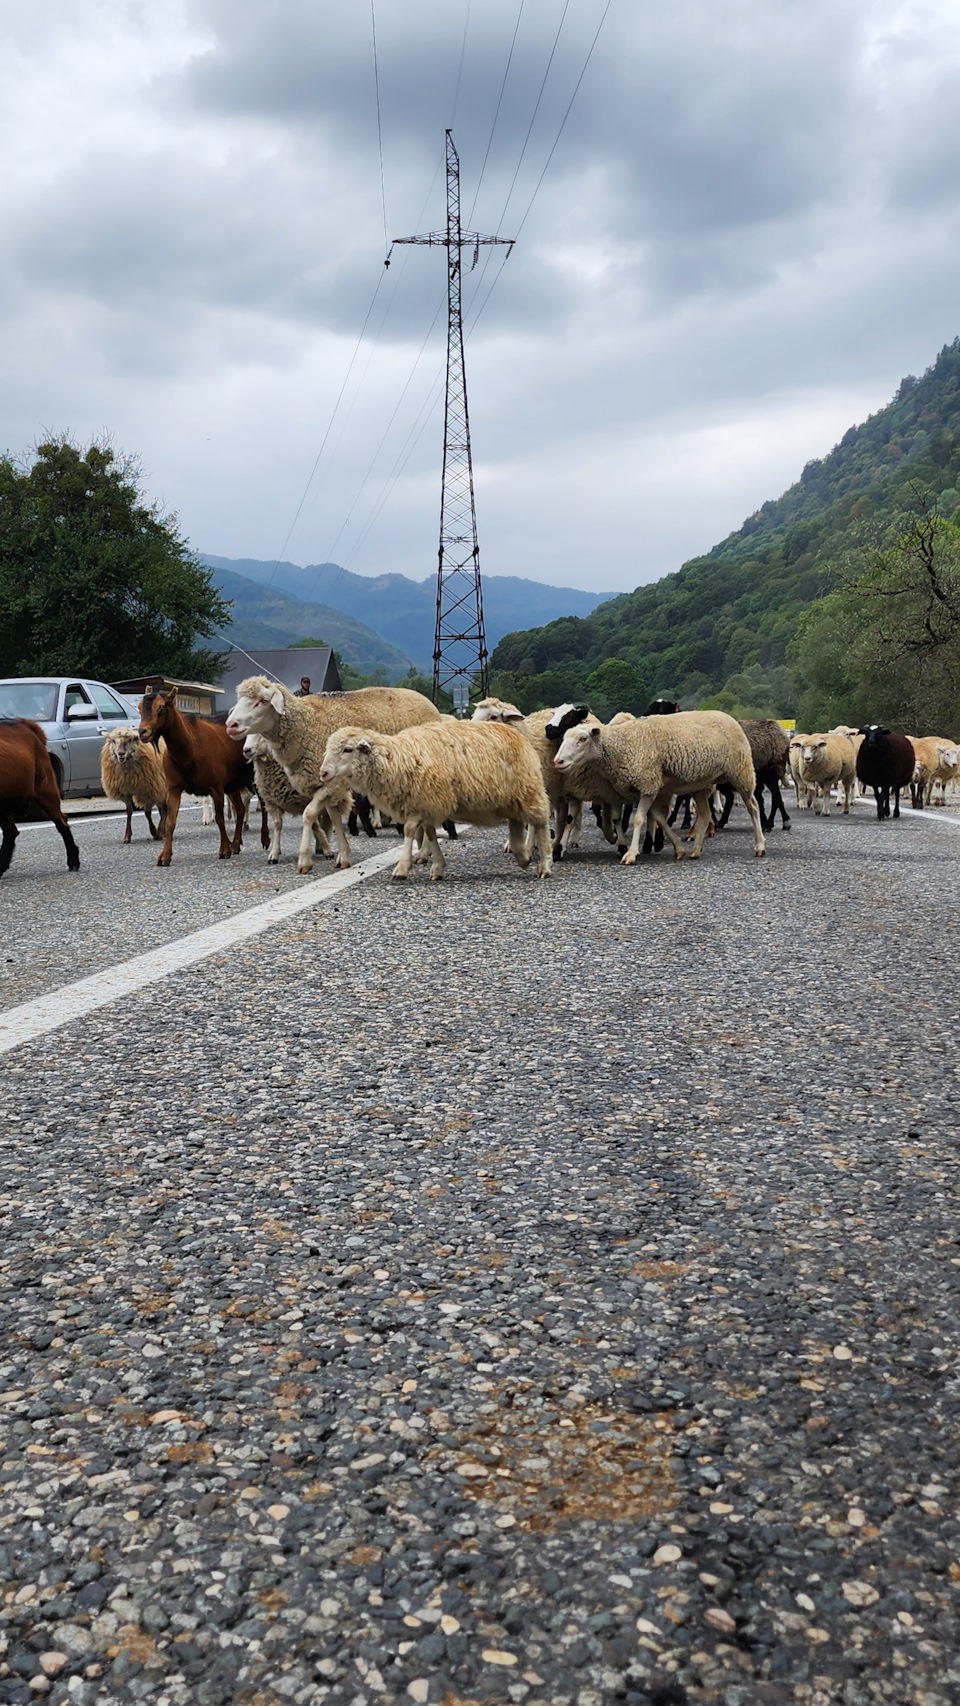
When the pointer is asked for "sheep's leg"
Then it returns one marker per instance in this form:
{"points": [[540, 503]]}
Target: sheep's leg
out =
{"points": [[541, 834], [128, 832], [644, 805], [574, 827], [438, 865], [847, 798], [401, 869], [759, 845], [273, 849], [320, 841], [777, 805], [704, 824], [657, 813], [424, 850], [518, 842]]}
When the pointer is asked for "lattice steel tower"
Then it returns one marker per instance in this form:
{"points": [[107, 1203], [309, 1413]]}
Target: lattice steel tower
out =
{"points": [[460, 648]]}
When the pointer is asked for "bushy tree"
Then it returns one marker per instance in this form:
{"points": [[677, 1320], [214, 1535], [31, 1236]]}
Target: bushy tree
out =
{"points": [[615, 686], [93, 578], [885, 646]]}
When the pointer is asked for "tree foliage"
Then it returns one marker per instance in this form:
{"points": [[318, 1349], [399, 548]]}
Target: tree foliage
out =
{"points": [[733, 614], [885, 644], [93, 579]]}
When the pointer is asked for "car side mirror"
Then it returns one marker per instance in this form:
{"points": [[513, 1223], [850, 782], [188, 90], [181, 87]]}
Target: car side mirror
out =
{"points": [[81, 713]]}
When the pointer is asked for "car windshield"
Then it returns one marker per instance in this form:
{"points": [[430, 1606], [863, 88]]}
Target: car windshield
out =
{"points": [[36, 699]]}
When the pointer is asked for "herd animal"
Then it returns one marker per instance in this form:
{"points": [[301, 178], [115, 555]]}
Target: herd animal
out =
{"points": [[385, 754]]}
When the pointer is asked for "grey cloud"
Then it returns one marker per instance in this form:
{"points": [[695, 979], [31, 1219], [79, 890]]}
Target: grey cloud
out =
{"points": [[750, 207]]}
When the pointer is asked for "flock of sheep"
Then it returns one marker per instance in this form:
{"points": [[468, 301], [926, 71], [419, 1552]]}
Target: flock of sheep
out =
{"points": [[879, 759], [386, 753]]}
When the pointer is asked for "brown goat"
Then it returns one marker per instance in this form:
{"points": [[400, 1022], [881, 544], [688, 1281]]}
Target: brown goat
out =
{"points": [[199, 758], [26, 773]]}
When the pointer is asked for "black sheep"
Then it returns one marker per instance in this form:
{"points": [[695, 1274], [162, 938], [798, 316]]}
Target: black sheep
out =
{"points": [[885, 763]]}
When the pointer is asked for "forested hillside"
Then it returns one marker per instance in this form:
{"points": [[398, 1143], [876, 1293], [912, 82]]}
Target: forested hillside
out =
{"points": [[724, 622]]}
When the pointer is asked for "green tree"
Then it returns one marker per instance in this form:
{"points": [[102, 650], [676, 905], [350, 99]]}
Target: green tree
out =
{"points": [[93, 578], [886, 643], [301, 645], [615, 686]]}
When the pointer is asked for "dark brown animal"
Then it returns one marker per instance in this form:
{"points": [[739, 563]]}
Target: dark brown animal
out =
{"points": [[26, 773], [199, 758], [885, 763], [770, 751]]}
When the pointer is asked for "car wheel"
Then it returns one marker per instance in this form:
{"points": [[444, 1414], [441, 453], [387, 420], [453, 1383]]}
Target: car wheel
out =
{"points": [[58, 775]]}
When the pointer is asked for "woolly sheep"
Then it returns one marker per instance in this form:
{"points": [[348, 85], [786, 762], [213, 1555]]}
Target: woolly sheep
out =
{"points": [[826, 759], [297, 730], [133, 772], [481, 772], [277, 796], [936, 761], [545, 730], [769, 749], [657, 757]]}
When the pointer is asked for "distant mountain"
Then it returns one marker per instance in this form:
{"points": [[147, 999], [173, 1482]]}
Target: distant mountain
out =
{"points": [[725, 621], [403, 611], [272, 617]]}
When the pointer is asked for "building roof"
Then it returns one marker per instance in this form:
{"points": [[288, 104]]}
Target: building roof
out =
{"points": [[139, 683], [286, 664]]}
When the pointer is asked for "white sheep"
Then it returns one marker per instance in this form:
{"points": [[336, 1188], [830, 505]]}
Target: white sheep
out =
{"points": [[535, 726], [826, 759], [132, 771], [297, 730], [277, 796], [483, 773], [652, 760]]}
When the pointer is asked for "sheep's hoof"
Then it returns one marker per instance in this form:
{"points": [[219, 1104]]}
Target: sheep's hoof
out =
{"points": [[436, 876], [693, 855], [303, 868], [275, 861], [341, 863], [629, 859], [760, 853], [398, 876], [678, 853], [545, 871]]}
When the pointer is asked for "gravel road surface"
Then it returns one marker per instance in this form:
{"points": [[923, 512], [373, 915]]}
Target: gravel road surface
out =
{"points": [[494, 1291]]}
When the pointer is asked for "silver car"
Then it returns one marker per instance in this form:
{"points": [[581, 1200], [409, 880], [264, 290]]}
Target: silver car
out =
{"points": [[75, 715]]}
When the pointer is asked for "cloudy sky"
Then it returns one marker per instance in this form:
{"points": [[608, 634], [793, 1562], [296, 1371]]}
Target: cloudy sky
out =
{"points": [[747, 234]]}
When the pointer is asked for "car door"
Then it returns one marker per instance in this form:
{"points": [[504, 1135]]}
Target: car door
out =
{"points": [[83, 737]]}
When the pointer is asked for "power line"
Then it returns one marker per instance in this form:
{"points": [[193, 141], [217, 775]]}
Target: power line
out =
{"points": [[326, 435], [376, 84], [576, 89], [463, 49], [496, 115], [536, 109]]}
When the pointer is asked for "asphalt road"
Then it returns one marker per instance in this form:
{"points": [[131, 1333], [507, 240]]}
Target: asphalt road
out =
{"points": [[488, 1291]]}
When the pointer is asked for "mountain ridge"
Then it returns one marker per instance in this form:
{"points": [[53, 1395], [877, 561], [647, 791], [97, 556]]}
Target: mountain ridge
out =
{"points": [[733, 613], [403, 611]]}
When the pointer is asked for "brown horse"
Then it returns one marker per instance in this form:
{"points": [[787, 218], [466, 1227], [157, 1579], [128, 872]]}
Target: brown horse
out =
{"points": [[26, 773], [199, 758]]}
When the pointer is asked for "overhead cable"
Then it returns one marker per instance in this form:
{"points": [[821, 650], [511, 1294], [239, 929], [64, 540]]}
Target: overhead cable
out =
{"points": [[376, 84]]}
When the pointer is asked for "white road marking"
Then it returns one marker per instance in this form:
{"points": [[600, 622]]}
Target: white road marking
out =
{"points": [[936, 817], [60, 1007]]}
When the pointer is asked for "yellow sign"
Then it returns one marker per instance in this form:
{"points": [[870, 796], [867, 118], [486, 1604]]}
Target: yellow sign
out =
{"points": [[787, 723]]}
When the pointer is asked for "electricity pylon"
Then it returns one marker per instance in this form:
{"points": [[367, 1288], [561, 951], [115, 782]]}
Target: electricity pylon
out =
{"points": [[459, 648]]}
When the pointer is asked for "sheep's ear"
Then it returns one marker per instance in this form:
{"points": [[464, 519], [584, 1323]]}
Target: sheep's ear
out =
{"points": [[275, 700], [363, 745], [594, 732], [513, 716]]}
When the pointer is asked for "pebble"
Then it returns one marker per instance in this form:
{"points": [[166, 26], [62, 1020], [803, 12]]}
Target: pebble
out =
{"points": [[376, 1253]]}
